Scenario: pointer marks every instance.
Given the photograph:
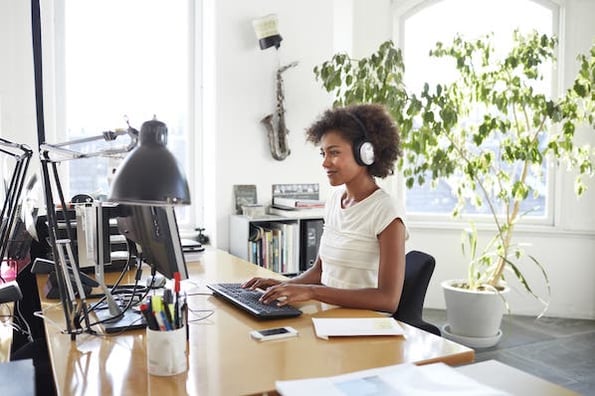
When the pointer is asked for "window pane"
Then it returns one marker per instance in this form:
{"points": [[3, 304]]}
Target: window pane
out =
{"points": [[125, 60], [471, 19]]}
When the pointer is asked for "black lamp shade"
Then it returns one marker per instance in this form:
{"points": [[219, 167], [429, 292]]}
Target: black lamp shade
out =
{"points": [[150, 174]]}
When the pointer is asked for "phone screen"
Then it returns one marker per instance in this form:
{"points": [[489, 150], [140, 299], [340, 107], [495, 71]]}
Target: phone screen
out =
{"points": [[269, 332]]}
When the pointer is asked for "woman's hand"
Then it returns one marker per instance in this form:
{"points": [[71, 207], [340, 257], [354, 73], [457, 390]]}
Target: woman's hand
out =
{"points": [[260, 283], [286, 293]]}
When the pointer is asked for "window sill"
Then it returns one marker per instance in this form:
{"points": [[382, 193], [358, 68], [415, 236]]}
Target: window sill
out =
{"points": [[450, 224]]}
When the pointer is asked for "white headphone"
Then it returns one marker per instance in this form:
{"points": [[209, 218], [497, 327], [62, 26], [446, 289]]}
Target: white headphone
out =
{"points": [[363, 149]]}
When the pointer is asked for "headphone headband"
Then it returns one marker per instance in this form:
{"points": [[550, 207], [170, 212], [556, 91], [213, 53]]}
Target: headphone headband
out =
{"points": [[361, 125]]}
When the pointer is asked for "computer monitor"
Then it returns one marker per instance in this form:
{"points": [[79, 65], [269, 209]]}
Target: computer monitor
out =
{"points": [[155, 230]]}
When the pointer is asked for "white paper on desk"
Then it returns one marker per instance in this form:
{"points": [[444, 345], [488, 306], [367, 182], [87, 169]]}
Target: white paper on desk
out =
{"points": [[398, 380], [328, 327]]}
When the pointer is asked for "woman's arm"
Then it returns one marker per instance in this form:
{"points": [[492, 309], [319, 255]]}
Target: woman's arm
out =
{"points": [[310, 276], [385, 297]]}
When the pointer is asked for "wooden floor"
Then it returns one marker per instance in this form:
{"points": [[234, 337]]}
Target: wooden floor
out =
{"points": [[559, 350]]}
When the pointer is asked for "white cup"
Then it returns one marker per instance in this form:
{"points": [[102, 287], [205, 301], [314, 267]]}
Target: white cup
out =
{"points": [[166, 352]]}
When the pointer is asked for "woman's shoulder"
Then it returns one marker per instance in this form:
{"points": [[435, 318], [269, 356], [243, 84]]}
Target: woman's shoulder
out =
{"points": [[390, 203], [383, 196]]}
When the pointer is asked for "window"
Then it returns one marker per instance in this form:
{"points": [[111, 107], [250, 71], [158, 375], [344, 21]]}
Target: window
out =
{"points": [[427, 22], [123, 60]]}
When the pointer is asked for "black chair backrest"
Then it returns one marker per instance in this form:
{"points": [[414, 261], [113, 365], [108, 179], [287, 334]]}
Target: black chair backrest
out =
{"points": [[419, 267]]}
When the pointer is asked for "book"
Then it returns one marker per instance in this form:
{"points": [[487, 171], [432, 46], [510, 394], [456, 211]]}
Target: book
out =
{"points": [[296, 203], [296, 191], [297, 213], [274, 246]]}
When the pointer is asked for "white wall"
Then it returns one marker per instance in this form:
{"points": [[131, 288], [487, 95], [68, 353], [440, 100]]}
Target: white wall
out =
{"points": [[239, 91], [17, 96], [244, 92]]}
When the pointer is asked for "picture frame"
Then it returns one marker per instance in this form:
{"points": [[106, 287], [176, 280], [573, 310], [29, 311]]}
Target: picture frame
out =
{"points": [[244, 194]]}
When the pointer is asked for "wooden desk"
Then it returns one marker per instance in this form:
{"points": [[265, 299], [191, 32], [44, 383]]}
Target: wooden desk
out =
{"points": [[223, 359]]}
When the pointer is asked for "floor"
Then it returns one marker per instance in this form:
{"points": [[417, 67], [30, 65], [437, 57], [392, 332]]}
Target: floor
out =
{"points": [[558, 350]]}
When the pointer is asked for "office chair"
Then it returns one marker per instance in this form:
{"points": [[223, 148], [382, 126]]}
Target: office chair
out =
{"points": [[419, 267]]}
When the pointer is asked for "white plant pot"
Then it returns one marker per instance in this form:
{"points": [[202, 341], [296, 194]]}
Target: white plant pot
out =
{"points": [[473, 317]]}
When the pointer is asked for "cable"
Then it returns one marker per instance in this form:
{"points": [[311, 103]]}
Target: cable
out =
{"points": [[209, 313], [41, 315], [130, 301], [21, 320]]}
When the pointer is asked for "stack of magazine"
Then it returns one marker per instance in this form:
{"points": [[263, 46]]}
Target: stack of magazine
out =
{"points": [[400, 379], [296, 200]]}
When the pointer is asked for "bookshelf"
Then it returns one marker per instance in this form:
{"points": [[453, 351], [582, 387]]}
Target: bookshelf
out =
{"points": [[287, 245]]}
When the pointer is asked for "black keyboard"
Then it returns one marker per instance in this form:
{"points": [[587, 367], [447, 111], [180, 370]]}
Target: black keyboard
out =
{"points": [[247, 300]]}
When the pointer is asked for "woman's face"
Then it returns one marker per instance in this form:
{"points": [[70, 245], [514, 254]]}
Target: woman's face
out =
{"points": [[338, 160]]}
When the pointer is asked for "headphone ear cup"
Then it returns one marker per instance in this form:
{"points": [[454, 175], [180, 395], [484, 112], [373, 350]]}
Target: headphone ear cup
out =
{"points": [[364, 153]]}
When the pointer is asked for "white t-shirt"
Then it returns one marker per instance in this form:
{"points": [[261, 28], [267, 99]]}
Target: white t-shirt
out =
{"points": [[349, 248]]}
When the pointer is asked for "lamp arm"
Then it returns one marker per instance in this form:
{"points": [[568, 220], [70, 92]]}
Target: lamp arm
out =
{"points": [[26, 150], [62, 153]]}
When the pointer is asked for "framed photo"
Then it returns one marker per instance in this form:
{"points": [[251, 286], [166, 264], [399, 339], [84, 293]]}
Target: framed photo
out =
{"points": [[244, 194]]}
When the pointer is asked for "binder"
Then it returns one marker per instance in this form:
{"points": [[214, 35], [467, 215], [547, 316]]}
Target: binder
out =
{"points": [[310, 233]]}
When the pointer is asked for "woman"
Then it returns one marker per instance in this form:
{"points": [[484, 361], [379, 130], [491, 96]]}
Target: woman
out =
{"points": [[361, 260]]}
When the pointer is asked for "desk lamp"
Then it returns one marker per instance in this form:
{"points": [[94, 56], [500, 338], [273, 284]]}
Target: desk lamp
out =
{"points": [[149, 175], [66, 264], [21, 154], [153, 178]]}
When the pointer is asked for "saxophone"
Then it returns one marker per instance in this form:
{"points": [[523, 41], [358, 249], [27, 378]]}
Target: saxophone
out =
{"points": [[278, 138]]}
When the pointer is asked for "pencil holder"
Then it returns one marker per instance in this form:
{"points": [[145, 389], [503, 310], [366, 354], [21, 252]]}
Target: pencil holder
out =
{"points": [[166, 352]]}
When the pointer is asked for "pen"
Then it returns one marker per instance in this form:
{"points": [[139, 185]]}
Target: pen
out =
{"points": [[167, 296], [159, 320], [148, 315], [177, 302], [167, 314], [158, 314], [185, 317], [166, 322]]}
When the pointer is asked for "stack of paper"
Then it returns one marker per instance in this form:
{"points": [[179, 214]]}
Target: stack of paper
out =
{"points": [[401, 379], [328, 327]]}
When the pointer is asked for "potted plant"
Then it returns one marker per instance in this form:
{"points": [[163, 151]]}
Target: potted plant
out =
{"points": [[492, 132]]}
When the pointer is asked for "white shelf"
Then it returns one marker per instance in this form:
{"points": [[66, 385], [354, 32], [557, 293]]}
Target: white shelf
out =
{"points": [[302, 239]]}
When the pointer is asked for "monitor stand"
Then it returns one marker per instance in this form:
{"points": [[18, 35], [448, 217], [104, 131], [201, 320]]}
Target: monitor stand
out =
{"points": [[124, 319]]}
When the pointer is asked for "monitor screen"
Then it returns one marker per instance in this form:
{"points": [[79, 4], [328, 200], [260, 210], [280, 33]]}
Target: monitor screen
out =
{"points": [[155, 230]]}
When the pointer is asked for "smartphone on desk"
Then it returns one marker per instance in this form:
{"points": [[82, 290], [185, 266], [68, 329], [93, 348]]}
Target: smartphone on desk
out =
{"points": [[274, 333]]}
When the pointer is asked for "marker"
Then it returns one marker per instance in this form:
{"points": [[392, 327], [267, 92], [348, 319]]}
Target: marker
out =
{"points": [[185, 317], [149, 318], [177, 323], [166, 322], [159, 319]]}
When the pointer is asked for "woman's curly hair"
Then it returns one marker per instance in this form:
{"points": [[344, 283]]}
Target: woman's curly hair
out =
{"points": [[380, 130]]}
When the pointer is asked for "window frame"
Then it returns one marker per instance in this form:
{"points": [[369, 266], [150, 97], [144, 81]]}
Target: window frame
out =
{"points": [[401, 11], [54, 73]]}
